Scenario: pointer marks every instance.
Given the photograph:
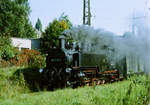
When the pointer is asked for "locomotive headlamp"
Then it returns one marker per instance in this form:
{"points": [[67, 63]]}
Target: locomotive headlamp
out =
{"points": [[81, 74], [68, 70]]}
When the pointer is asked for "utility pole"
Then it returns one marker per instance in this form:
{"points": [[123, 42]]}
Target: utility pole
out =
{"points": [[86, 12], [133, 24], [135, 18]]}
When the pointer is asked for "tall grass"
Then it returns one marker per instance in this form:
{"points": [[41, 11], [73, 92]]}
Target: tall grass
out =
{"points": [[133, 91], [10, 85]]}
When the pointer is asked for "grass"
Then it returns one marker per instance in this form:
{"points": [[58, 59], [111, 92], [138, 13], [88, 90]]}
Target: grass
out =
{"points": [[10, 85], [133, 91]]}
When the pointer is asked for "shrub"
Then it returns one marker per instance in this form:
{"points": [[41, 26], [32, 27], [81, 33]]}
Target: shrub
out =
{"points": [[31, 58], [4, 63], [25, 58], [6, 52]]}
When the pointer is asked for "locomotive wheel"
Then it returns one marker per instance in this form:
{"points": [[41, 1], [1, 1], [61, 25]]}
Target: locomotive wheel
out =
{"points": [[58, 77]]}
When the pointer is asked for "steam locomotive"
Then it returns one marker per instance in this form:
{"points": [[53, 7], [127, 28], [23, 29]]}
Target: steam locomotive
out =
{"points": [[68, 65]]}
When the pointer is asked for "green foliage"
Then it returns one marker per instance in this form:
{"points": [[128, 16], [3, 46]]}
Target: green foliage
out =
{"points": [[38, 25], [26, 57], [14, 19], [32, 77], [66, 19], [36, 60], [134, 91], [29, 31], [14, 22], [52, 32], [11, 85], [6, 52]]}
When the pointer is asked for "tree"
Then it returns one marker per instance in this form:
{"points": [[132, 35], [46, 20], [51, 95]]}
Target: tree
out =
{"points": [[66, 19], [14, 18], [52, 32], [5, 48], [38, 25], [14, 22]]}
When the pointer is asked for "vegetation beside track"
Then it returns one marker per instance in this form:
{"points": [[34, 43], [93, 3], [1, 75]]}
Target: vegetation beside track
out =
{"points": [[15, 91]]}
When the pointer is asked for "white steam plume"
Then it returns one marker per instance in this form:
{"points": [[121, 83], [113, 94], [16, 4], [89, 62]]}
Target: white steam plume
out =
{"points": [[99, 40]]}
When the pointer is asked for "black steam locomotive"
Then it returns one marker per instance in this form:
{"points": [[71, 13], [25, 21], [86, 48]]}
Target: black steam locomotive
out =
{"points": [[70, 66]]}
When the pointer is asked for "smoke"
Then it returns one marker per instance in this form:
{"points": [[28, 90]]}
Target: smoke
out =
{"points": [[116, 47], [91, 40], [142, 42]]}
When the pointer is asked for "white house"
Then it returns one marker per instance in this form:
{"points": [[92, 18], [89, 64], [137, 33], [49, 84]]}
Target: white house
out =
{"points": [[24, 43]]}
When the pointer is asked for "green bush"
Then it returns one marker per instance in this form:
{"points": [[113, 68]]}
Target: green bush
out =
{"points": [[33, 58], [6, 49], [25, 57]]}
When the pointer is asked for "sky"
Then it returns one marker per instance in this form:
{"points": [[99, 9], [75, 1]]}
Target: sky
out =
{"points": [[112, 15]]}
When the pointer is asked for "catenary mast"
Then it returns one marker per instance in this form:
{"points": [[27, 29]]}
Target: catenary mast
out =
{"points": [[86, 12]]}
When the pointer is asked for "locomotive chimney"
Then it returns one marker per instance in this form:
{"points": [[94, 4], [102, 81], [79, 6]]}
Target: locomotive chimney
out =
{"points": [[62, 41]]}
